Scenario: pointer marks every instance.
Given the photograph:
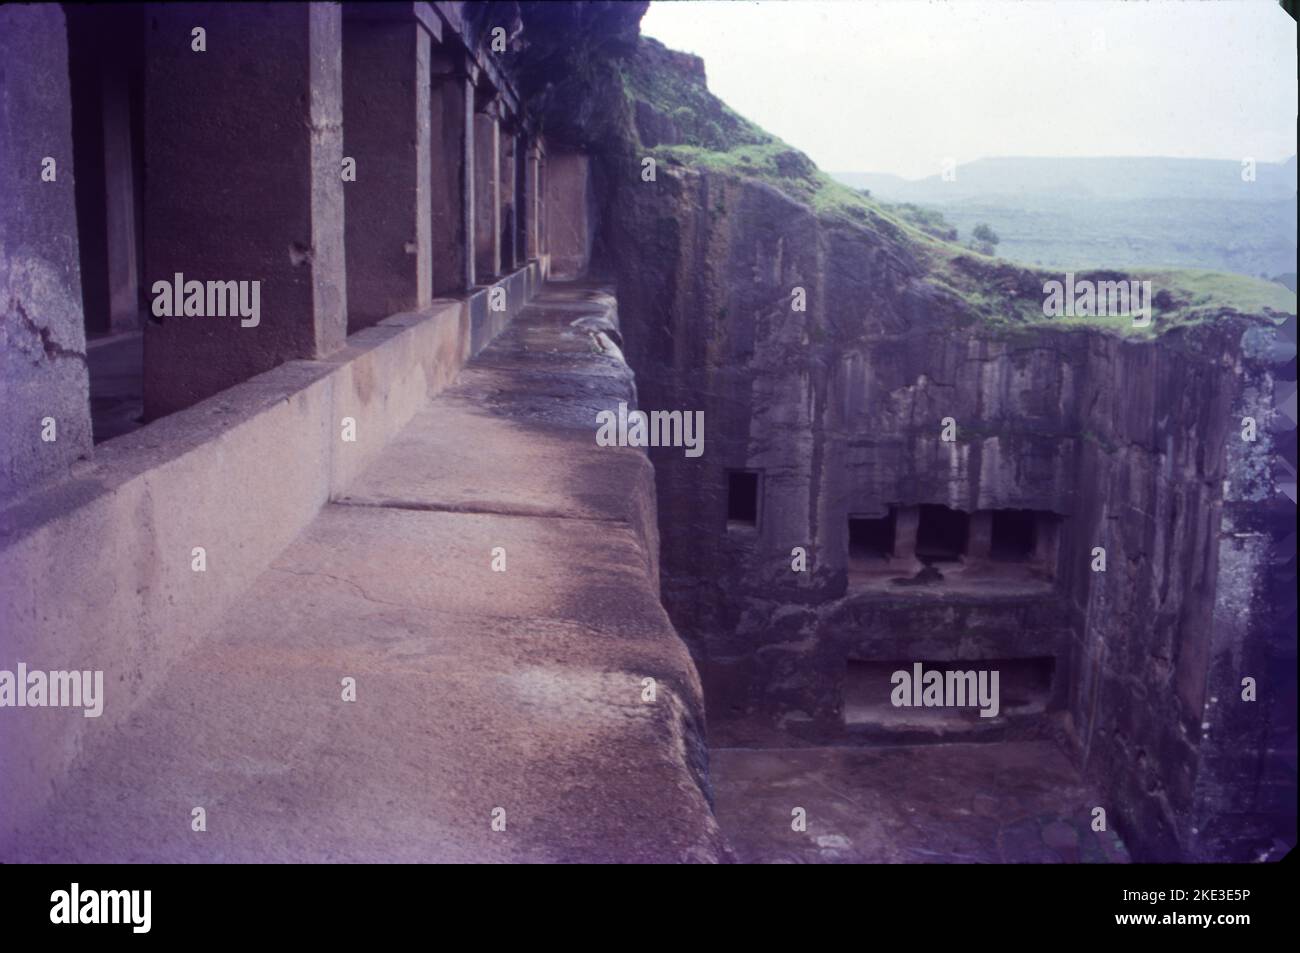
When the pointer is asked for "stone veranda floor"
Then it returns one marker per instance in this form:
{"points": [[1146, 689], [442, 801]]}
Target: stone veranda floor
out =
{"points": [[496, 715], [1009, 802]]}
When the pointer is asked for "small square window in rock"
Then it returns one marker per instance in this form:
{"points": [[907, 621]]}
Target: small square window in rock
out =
{"points": [[871, 539], [743, 495], [1013, 536], [941, 534]]}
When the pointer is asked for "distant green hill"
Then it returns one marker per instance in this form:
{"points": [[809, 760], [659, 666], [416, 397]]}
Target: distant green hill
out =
{"points": [[1116, 212]]}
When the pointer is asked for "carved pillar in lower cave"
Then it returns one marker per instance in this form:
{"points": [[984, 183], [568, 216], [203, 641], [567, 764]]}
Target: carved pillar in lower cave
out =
{"points": [[979, 540], [906, 521]]}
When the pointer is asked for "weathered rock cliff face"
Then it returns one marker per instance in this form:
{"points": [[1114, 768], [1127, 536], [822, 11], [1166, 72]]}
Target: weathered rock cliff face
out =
{"points": [[1129, 443], [1191, 601]]}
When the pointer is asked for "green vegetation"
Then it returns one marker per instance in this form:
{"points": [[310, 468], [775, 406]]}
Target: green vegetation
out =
{"points": [[1119, 323], [687, 125], [1213, 290], [928, 220], [656, 77], [1195, 297], [1120, 213], [984, 239]]}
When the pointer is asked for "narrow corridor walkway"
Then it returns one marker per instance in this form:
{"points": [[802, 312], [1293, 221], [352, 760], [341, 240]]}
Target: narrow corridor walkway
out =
{"points": [[514, 696]]}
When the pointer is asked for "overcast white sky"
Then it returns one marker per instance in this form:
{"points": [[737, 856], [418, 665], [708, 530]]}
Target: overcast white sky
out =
{"points": [[898, 85]]}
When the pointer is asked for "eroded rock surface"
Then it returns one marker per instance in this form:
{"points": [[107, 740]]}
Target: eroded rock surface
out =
{"points": [[1129, 442]]}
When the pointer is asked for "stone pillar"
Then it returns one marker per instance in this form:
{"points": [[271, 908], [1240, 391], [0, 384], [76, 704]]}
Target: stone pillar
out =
{"points": [[544, 220], [106, 53], [509, 207], [979, 537], [533, 202], [42, 333], [906, 521], [386, 131], [1047, 535], [244, 145], [523, 215], [487, 200], [451, 133], [468, 192], [570, 222], [119, 205]]}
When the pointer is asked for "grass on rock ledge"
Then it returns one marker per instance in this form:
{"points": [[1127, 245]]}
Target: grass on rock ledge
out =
{"points": [[699, 131]]}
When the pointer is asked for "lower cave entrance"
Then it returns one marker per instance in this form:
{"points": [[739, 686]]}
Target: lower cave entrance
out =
{"points": [[1014, 535], [941, 533], [871, 540]]}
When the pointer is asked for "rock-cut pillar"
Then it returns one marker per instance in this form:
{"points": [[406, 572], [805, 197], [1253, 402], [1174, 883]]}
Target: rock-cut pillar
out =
{"points": [[386, 132], [44, 400], [487, 195], [244, 146]]}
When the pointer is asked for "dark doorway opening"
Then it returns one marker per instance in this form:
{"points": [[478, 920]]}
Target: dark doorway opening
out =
{"points": [[941, 534], [106, 62], [1013, 535], [871, 539], [742, 498]]}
